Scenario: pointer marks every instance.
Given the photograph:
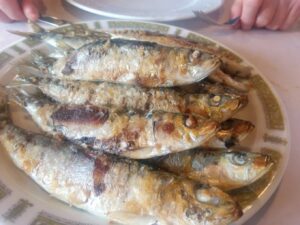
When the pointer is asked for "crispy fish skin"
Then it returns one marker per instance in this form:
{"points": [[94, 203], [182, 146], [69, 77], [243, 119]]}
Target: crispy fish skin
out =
{"points": [[228, 65], [113, 187], [224, 169], [218, 107], [135, 62], [106, 129]]}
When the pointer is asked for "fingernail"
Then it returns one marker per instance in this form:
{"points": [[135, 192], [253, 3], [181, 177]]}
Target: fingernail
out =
{"points": [[32, 13]]}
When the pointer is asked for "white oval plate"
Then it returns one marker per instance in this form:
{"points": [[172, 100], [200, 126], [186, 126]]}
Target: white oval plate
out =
{"points": [[22, 202], [158, 10]]}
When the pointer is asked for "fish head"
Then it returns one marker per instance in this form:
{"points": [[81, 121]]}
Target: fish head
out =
{"points": [[247, 166], [224, 105], [202, 64], [233, 131], [210, 205]]}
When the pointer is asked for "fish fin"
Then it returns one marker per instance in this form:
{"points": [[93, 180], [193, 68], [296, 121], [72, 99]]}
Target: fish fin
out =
{"points": [[41, 61], [36, 28], [132, 219], [22, 96], [25, 34], [29, 71], [37, 34], [21, 81]]}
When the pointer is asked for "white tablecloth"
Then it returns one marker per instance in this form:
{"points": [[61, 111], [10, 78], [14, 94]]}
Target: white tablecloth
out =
{"points": [[275, 54]]}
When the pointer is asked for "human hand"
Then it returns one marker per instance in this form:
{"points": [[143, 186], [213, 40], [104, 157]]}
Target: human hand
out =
{"points": [[15, 10], [270, 14]]}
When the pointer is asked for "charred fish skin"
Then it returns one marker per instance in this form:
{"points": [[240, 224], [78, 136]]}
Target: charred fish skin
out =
{"points": [[109, 186], [230, 134], [130, 134], [224, 169], [135, 62], [218, 107]]}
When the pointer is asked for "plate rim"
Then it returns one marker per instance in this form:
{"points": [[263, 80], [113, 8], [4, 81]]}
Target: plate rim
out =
{"points": [[100, 12]]}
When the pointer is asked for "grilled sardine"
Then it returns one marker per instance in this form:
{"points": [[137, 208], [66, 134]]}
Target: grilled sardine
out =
{"points": [[215, 106], [129, 134]]}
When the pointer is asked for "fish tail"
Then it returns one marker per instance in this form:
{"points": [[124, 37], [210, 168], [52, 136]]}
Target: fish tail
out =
{"points": [[37, 28], [26, 34], [41, 62], [18, 95], [26, 97], [28, 72], [26, 76], [38, 33]]}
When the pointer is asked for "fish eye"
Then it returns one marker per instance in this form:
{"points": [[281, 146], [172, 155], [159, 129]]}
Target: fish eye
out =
{"points": [[215, 100], [239, 159]]}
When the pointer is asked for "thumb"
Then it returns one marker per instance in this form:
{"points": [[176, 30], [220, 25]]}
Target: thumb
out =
{"points": [[30, 9]]}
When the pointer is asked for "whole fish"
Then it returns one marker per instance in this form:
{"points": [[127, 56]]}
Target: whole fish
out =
{"points": [[134, 62], [224, 169], [74, 37], [133, 135], [122, 190], [217, 107]]}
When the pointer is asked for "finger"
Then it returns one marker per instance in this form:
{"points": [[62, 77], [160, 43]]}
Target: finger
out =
{"points": [[30, 10], [280, 16], [250, 10], [266, 13], [12, 9], [292, 18], [236, 11], [4, 18]]}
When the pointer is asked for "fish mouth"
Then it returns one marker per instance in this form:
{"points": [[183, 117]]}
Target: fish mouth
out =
{"points": [[243, 101], [264, 165], [213, 64], [237, 212], [228, 214], [264, 162]]}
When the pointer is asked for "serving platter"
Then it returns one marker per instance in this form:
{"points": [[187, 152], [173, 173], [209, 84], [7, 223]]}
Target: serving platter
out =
{"points": [[156, 10], [23, 202]]}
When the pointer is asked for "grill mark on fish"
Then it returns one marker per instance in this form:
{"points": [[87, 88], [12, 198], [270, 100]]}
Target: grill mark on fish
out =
{"points": [[81, 114], [101, 167], [120, 143], [165, 127], [67, 70], [231, 142], [113, 145]]}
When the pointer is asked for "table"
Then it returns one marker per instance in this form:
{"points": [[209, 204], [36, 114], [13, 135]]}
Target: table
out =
{"points": [[275, 54]]}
